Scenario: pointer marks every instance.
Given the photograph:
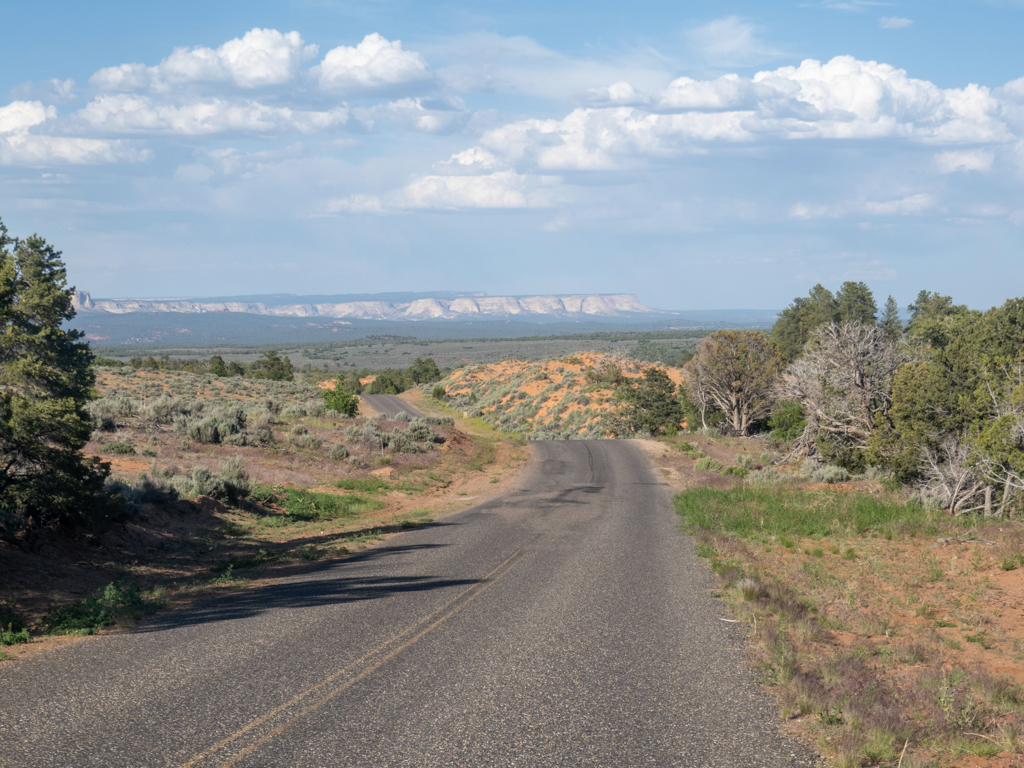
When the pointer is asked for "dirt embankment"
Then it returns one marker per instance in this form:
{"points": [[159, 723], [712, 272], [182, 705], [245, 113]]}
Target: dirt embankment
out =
{"points": [[567, 397]]}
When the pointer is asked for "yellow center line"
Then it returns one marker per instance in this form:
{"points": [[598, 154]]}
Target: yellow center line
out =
{"points": [[480, 586]]}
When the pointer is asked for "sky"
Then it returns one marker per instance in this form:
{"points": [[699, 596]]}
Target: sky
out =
{"points": [[702, 155]]}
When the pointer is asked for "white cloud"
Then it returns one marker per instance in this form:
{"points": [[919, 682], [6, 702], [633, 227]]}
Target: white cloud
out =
{"points": [[20, 115], [375, 63], [19, 146], [419, 114], [840, 99], [124, 113], [910, 205], [968, 160], [28, 149], [894, 22], [356, 204], [498, 190], [262, 57], [53, 91], [729, 41], [618, 94], [473, 158]]}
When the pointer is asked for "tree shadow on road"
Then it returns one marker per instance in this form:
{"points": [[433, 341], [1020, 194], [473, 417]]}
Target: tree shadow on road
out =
{"points": [[324, 585]]}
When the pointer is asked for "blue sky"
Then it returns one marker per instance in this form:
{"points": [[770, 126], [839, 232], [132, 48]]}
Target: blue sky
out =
{"points": [[701, 155]]}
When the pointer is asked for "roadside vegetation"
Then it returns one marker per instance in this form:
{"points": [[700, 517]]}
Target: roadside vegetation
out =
{"points": [[855, 485]]}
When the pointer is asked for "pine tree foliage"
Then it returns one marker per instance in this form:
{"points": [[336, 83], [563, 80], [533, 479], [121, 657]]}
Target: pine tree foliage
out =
{"points": [[45, 380]]}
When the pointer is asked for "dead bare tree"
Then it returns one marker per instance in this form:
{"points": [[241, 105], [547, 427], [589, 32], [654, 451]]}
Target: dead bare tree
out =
{"points": [[843, 381], [952, 474]]}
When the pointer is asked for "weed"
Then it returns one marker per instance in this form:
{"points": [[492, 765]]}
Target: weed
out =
{"points": [[364, 484], [850, 554], [705, 550], [116, 602], [980, 638], [309, 506], [945, 624]]}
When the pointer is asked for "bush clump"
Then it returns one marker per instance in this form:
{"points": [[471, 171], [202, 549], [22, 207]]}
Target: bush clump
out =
{"points": [[12, 626], [114, 603], [707, 464]]}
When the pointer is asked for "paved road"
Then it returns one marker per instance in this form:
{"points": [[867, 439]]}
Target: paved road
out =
{"points": [[567, 623], [389, 405]]}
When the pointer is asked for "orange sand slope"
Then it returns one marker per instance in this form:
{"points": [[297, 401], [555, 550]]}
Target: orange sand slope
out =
{"points": [[553, 398]]}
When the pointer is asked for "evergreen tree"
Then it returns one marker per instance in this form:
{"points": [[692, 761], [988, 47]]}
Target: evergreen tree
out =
{"points": [[931, 316], [797, 323], [273, 366], [424, 371], [651, 404], [890, 322], [217, 367], [855, 303], [46, 377]]}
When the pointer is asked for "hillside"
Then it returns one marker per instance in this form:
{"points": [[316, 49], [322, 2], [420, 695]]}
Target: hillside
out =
{"points": [[554, 399]]}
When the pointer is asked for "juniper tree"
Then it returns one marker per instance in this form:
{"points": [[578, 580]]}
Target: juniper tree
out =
{"points": [[46, 377], [737, 371]]}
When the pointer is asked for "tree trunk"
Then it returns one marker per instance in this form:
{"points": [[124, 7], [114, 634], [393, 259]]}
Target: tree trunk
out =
{"points": [[988, 501]]}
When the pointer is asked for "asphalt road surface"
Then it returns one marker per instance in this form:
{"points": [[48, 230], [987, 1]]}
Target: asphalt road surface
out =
{"points": [[566, 623], [389, 405]]}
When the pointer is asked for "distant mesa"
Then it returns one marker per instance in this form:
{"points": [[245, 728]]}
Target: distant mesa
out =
{"points": [[440, 306]]}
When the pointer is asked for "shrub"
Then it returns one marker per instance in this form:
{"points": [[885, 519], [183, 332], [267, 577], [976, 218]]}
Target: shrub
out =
{"points": [[300, 429], [338, 453], [827, 473], [121, 446], [400, 442], [293, 411], [12, 626], [746, 461], [735, 471], [766, 476], [101, 609], [131, 496], [165, 409], [787, 421], [401, 416], [707, 464], [263, 435], [439, 421], [439, 393], [315, 408], [421, 433], [309, 442]]}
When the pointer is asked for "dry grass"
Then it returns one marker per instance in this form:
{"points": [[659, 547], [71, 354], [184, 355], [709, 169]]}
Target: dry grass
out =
{"points": [[875, 625]]}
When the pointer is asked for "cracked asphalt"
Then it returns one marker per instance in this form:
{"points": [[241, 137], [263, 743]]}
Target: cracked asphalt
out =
{"points": [[566, 623]]}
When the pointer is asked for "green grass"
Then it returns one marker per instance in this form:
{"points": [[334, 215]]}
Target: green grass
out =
{"points": [[761, 513], [364, 484], [310, 506]]}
